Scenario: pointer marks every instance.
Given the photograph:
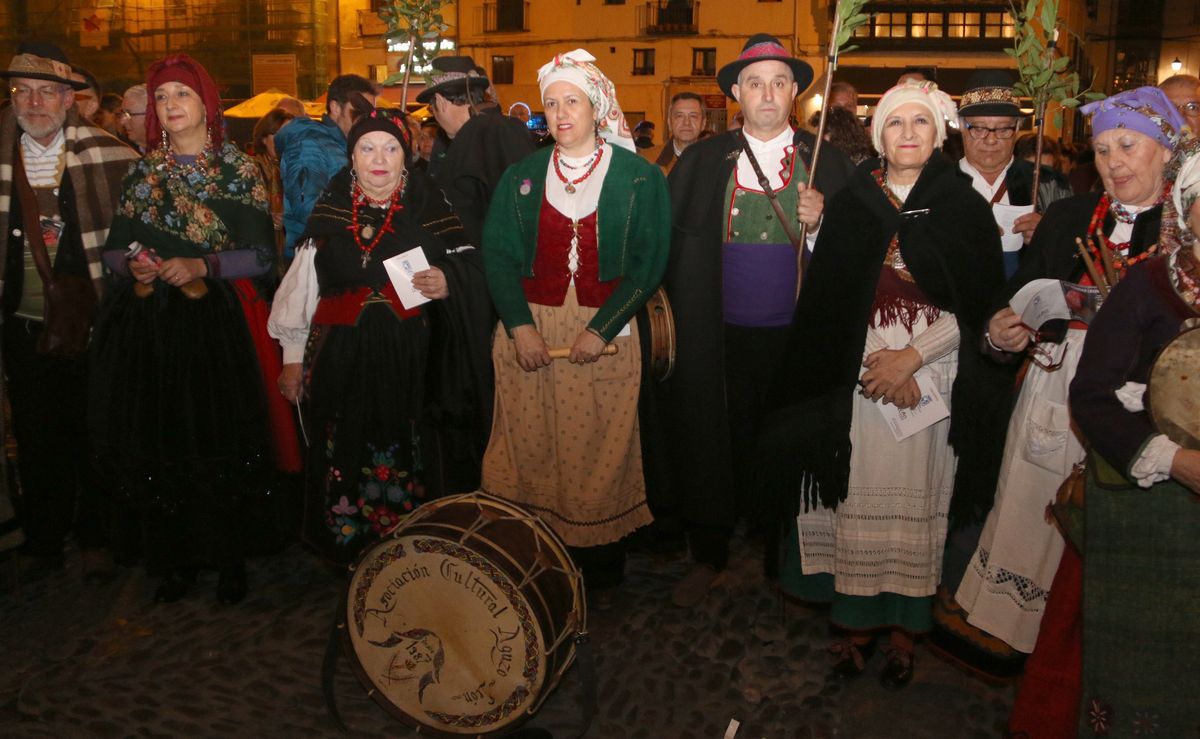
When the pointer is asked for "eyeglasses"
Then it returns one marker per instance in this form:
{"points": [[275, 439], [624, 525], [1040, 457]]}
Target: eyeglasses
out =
{"points": [[127, 114], [981, 132], [23, 93]]}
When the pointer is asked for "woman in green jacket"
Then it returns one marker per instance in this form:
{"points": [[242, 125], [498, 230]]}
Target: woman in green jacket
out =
{"points": [[575, 242]]}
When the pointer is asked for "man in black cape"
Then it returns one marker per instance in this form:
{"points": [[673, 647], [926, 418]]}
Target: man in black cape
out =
{"points": [[480, 142], [732, 284]]}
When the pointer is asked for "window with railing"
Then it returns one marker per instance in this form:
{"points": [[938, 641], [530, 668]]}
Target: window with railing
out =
{"points": [[503, 16], [944, 26], [669, 17], [643, 62], [704, 62]]}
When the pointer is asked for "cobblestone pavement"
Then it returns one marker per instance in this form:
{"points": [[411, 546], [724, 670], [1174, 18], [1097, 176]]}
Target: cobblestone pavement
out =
{"points": [[78, 661]]}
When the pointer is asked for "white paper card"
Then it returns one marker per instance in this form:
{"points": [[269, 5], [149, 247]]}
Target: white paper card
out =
{"points": [[904, 422], [401, 269], [1006, 216], [1047, 299], [624, 332]]}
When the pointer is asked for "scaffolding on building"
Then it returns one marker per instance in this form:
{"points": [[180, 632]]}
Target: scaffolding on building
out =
{"points": [[117, 40]]}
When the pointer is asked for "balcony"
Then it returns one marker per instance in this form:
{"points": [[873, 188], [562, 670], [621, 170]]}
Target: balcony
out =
{"points": [[669, 18], [506, 16]]}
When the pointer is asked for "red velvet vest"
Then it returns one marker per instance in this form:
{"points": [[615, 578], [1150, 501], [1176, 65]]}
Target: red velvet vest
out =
{"points": [[551, 272]]}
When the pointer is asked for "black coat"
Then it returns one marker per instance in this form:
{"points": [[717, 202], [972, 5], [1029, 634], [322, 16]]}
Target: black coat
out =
{"points": [[469, 168], [950, 245], [693, 399]]}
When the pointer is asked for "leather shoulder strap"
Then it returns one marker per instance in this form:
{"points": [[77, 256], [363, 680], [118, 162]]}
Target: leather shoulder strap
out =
{"points": [[765, 184]]}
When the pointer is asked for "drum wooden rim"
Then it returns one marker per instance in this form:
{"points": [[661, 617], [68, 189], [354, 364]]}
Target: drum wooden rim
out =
{"points": [[1167, 383], [539, 658]]}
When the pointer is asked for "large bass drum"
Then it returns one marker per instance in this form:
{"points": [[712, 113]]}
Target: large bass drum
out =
{"points": [[463, 619], [1173, 392]]}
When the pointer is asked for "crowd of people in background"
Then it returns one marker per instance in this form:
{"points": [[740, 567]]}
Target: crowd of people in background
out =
{"points": [[205, 355]]}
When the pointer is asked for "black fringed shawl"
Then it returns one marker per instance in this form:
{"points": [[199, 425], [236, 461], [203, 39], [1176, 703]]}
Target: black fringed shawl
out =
{"points": [[953, 252]]}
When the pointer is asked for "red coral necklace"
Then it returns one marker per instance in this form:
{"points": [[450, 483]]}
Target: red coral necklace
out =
{"points": [[358, 199], [570, 184]]}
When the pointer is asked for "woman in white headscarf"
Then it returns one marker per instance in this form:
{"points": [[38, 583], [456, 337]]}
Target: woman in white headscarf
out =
{"points": [[901, 277], [577, 239]]}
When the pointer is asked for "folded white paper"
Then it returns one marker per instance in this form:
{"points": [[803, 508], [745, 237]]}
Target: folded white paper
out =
{"points": [[401, 269], [1047, 299], [932, 408], [1006, 216]]}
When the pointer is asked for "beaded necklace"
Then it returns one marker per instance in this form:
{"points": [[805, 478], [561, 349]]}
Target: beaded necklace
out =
{"points": [[175, 168], [1095, 232], [570, 184], [358, 199], [1185, 273], [893, 258]]}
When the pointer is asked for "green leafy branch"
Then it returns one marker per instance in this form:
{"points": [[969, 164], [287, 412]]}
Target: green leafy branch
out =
{"points": [[852, 18], [1046, 76], [414, 21]]}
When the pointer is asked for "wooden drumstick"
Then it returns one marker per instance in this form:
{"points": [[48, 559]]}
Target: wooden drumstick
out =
{"points": [[1106, 256], [1091, 267], [565, 351]]}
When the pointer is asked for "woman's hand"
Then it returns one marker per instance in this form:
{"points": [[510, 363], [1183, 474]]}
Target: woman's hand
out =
{"points": [[1185, 468], [888, 371], [587, 348], [181, 270], [532, 352], [431, 283], [906, 396], [144, 271], [1006, 331], [290, 380]]}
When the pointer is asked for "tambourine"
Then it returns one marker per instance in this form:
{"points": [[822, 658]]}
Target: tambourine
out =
{"points": [[1173, 392]]}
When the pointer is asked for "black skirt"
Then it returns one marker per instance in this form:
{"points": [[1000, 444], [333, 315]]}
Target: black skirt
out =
{"points": [[368, 454], [178, 423]]}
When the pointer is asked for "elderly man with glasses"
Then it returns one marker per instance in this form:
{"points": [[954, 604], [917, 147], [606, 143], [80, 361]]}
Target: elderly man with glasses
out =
{"points": [[989, 118], [133, 116], [59, 182], [1183, 90]]}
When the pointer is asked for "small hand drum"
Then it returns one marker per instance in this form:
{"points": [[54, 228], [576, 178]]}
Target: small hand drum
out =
{"points": [[463, 619], [1174, 390]]}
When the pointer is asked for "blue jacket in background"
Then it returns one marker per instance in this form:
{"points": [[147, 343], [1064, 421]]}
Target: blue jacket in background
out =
{"points": [[310, 154]]}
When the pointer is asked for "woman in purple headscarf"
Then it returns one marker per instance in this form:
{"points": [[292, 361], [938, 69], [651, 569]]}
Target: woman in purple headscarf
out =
{"points": [[1022, 584]]}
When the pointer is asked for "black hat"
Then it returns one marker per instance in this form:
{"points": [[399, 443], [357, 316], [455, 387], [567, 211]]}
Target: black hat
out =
{"points": [[763, 47], [450, 75], [379, 120], [39, 60], [989, 92]]}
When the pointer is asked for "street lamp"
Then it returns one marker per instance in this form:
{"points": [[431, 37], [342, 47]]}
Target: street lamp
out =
{"points": [[1176, 65]]}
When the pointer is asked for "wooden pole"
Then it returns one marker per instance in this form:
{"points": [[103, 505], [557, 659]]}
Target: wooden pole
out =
{"points": [[412, 47], [830, 68]]}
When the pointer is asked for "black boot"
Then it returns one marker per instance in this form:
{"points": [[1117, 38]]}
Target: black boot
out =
{"points": [[175, 584], [231, 584]]}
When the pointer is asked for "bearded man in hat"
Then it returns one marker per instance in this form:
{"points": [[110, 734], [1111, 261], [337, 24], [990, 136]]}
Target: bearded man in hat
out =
{"points": [[989, 117], [60, 179], [480, 142], [732, 282]]}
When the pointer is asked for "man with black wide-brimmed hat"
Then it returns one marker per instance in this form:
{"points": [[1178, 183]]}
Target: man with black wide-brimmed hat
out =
{"points": [[732, 284], [989, 117], [480, 141], [60, 179]]}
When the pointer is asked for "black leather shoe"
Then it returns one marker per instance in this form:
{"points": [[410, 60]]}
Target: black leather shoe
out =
{"points": [[231, 585], [898, 671], [854, 657], [174, 585]]}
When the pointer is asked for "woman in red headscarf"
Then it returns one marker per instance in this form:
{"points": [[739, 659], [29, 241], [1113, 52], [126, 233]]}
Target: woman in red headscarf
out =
{"points": [[179, 414]]}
